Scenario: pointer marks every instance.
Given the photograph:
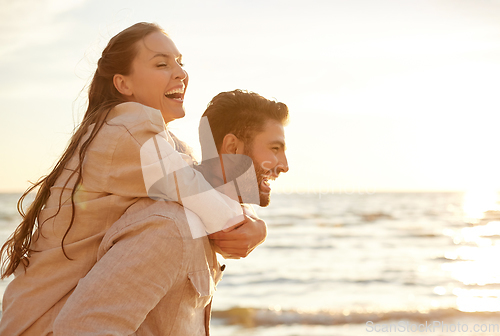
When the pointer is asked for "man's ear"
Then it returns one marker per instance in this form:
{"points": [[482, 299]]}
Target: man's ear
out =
{"points": [[121, 84], [232, 145]]}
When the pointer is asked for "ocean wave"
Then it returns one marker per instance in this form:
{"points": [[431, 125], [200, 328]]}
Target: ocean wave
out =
{"points": [[374, 216], [254, 317]]}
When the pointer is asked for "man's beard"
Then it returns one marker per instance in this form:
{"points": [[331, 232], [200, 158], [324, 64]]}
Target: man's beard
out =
{"points": [[261, 173]]}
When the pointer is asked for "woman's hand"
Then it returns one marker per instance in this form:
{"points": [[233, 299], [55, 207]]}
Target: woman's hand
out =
{"points": [[240, 239]]}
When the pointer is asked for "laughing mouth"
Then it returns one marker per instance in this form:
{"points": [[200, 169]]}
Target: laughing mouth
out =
{"points": [[266, 181], [176, 94]]}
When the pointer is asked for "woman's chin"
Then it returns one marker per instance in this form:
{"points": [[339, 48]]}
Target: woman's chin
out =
{"points": [[171, 115]]}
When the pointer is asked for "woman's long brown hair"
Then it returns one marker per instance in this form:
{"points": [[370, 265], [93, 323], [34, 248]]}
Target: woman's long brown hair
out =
{"points": [[116, 58]]}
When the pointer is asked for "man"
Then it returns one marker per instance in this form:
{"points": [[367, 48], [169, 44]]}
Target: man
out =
{"points": [[246, 123], [151, 276]]}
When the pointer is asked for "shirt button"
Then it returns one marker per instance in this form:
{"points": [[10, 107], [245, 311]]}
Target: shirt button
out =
{"points": [[222, 268]]}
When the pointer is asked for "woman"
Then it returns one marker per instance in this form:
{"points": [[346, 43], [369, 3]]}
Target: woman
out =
{"points": [[87, 268]]}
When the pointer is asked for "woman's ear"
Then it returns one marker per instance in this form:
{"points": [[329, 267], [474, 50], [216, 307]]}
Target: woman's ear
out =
{"points": [[121, 84], [232, 145]]}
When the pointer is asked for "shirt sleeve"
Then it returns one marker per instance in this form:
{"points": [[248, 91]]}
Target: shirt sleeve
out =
{"points": [[145, 164]]}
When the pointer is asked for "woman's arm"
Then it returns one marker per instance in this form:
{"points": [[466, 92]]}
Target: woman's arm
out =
{"points": [[145, 164], [238, 241]]}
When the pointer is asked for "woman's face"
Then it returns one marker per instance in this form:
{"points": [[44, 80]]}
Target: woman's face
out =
{"points": [[157, 79]]}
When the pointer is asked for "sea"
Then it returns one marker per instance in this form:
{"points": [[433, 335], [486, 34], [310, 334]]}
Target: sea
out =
{"points": [[333, 264]]}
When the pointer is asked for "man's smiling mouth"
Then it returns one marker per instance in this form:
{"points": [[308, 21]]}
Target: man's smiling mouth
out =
{"points": [[265, 183]]}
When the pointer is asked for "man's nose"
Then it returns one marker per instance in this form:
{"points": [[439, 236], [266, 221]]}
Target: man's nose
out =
{"points": [[282, 166]]}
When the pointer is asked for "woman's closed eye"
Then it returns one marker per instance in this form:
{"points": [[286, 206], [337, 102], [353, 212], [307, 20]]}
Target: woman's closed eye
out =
{"points": [[164, 65]]}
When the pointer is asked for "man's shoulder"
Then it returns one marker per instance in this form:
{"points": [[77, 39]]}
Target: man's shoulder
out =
{"points": [[147, 207], [147, 213]]}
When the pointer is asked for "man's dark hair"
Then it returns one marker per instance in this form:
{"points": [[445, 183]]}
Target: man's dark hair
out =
{"points": [[243, 114]]}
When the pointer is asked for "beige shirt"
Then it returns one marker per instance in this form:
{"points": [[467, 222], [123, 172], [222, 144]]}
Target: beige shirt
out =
{"points": [[151, 277], [112, 182]]}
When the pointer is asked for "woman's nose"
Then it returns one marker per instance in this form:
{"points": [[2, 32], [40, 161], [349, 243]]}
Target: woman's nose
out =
{"points": [[185, 79], [180, 73]]}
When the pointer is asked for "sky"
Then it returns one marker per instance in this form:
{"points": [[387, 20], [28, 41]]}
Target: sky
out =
{"points": [[384, 95]]}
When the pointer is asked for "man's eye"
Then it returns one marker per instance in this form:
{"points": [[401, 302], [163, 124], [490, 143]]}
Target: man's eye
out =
{"points": [[276, 148], [180, 63], [161, 65]]}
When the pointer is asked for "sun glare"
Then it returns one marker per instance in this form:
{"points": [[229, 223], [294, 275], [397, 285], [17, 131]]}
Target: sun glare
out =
{"points": [[477, 300], [476, 257], [478, 201]]}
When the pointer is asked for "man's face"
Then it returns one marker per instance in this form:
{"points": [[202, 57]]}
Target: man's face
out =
{"points": [[267, 151]]}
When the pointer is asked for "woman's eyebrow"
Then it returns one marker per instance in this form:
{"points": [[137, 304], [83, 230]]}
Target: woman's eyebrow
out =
{"points": [[161, 55], [166, 56]]}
